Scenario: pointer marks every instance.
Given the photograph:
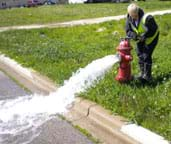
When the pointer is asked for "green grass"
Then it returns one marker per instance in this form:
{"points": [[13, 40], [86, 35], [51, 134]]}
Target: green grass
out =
{"points": [[59, 52], [60, 13], [88, 135], [83, 131], [146, 105]]}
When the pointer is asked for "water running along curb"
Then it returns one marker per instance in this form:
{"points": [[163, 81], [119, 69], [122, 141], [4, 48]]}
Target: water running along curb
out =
{"points": [[77, 22], [98, 121]]}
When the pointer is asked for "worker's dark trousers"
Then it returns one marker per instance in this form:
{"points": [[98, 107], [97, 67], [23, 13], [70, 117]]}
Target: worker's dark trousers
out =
{"points": [[144, 53]]}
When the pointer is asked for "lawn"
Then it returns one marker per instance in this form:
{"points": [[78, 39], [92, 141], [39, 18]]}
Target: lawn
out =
{"points": [[60, 13], [58, 52]]}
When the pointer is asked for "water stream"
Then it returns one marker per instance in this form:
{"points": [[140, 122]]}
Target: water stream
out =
{"points": [[24, 115]]}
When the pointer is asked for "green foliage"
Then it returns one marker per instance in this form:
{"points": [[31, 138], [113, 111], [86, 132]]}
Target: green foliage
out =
{"points": [[86, 133], [59, 52], [148, 105], [60, 13]]}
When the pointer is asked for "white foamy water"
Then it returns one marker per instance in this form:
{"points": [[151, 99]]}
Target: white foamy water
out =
{"points": [[26, 114]]}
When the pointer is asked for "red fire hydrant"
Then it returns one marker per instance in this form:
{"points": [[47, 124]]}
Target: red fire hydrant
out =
{"points": [[124, 52]]}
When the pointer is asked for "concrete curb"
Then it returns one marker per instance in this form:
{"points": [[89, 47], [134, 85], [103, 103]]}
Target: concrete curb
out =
{"points": [[77, 22], [99, 122], [29, 78], [109, 129]]}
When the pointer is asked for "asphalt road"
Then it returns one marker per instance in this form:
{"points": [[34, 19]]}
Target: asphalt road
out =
{"points": [[54, 131], [9, 89]]}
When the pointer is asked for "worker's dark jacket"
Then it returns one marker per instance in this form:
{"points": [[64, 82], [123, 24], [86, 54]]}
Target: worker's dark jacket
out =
{"points": [[150, 24], [144, 51]]}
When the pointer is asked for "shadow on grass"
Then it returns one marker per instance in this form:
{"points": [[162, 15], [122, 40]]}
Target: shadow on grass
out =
{"points": [[158, 80]]}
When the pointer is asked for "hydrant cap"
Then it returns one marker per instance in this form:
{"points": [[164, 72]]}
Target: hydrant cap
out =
{"points": [[124, 45]]}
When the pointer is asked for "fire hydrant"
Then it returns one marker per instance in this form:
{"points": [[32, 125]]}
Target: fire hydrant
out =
{"points": [[124, 52]]}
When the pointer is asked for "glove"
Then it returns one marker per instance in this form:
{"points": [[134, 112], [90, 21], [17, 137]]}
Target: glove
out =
{"points": [[141, 38], [134, 36]]}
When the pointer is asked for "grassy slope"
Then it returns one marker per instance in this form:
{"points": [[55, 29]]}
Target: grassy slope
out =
{"points": [[58, 52], [58, 13], [149, 105]]}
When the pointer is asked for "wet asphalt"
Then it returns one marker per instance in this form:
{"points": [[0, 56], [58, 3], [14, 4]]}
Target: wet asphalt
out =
{"points": [[54, 131]]}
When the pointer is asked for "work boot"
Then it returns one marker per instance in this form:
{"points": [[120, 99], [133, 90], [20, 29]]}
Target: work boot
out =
{"points": [[147, 72]]}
